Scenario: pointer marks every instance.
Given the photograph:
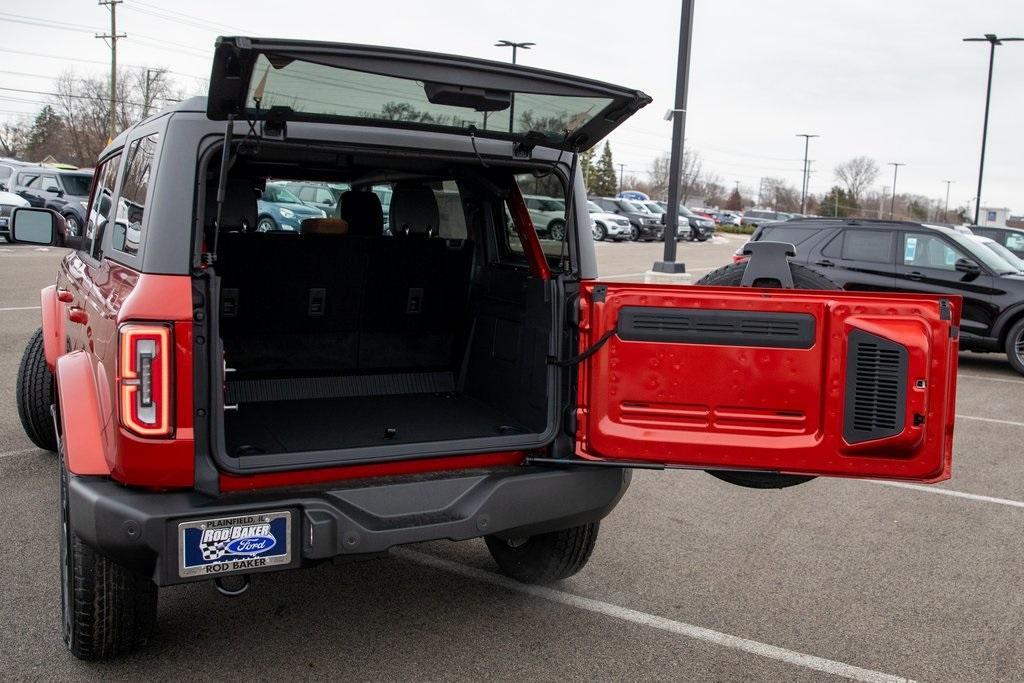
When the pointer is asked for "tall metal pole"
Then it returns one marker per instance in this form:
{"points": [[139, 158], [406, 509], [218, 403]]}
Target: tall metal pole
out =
{"points": [[622, 171], [113, 36], [993, 40], [669, 264], [512, 100], [945, 212], [803, 190], [895, 168]]}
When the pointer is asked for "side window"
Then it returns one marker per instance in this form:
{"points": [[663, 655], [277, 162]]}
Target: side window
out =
{"points": [[323, 196], [1015, 242], [100, 204], [929, 251], [307, 194], [547, 210], [49, 181], [868, 245], [834, 249], [131, 205], [35, 182]]}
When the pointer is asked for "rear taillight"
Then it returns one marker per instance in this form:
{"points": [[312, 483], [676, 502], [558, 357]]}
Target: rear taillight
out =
{"points": [[145, 375]]}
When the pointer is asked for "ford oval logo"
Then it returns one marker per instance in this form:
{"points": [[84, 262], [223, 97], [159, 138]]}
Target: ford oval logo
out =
{"points": [[250, 545]]}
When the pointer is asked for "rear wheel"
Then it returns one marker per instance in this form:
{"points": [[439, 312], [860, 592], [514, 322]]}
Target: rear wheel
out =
{"points": [[732, 276], [106, 610], [1015, 346], [545, 557], [34, 395]]}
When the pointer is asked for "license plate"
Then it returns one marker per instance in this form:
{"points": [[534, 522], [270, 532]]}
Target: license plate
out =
{"points": [[228, 545]]}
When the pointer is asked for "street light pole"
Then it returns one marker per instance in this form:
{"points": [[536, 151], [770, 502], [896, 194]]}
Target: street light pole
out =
{"points": [[512, 100], [895, 169], [992, 40], [945, 212], [803, 191], [668, 263]]}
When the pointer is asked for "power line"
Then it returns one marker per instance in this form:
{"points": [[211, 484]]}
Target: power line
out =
{"points": [[75, 97]]}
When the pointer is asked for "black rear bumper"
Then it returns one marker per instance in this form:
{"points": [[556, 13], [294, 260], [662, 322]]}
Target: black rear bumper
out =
{"points": [[140, 529]]}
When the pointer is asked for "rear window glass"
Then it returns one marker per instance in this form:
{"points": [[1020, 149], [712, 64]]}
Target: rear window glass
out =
{"points": [[794, 236], [868, 245], [316, 89], [131, 205]]}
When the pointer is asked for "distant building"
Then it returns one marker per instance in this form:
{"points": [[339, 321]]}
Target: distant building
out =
{"points": [[989, 217], [1015, 222]]}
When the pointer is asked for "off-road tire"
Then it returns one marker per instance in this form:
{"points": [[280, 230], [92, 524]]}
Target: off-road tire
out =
{"points": [[34, 395], [545, 558], [732, 276], [1015, 346], [106, 610]]}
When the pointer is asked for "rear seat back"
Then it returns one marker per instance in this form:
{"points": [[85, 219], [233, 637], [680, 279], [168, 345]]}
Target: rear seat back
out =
{"points": [[339, 302]]}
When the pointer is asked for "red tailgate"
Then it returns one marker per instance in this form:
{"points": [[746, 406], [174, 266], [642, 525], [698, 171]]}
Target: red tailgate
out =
{"points": [[823, 383]]}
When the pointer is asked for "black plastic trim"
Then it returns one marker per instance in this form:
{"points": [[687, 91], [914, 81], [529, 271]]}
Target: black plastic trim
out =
{"points": [[717, 327], [876, 387]]}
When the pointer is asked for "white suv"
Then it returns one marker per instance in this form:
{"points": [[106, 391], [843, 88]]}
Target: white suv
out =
{"points": [[606, 225]]}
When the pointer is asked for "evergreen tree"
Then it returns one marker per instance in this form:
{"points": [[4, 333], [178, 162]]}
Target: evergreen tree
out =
{"points": [[605, 183], [45, 136], [587, 164], [837, 203], [735, 201]]}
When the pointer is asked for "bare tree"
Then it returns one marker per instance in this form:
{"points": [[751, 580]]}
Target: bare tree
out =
{"points": [[779, 195], [14, 138], [857, 174]]}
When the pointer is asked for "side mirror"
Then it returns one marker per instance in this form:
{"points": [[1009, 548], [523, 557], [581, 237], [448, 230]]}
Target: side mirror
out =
{"points": [[54, 189], [35, 226], [965, 265]]}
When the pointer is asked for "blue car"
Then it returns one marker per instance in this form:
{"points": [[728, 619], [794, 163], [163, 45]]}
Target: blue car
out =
{"points": [[279, 209]]}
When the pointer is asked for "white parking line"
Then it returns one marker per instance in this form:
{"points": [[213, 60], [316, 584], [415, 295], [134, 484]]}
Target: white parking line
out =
{"points": [[644, 272], [22, 451], [950, 492], [753, 647], [990, 419], [991, 379], [21, 308]]}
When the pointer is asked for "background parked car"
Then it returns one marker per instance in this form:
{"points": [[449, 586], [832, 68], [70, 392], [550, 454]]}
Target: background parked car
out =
{"points": [[645, 225], [729, 218], [700, 228], [658, 209], [8, 167], [757, 217], [1011, 238], [317, 195], [8, 203], [1008, 256], [66, 192], [608, 225], [279, 209], [547, 214], [866, 255]]}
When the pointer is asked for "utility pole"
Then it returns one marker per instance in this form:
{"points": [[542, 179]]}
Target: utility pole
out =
{"points": [[622, 169], [149, 83], [895, 169], [992, 40], [113, 36], [512, 100], [945, 212], [807, 143]]}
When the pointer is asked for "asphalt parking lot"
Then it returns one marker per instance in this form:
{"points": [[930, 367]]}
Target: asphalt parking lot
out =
{"points": [[692, 578]]}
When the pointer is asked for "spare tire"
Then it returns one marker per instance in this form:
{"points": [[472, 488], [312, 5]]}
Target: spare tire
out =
{"points": [[732, 276]]}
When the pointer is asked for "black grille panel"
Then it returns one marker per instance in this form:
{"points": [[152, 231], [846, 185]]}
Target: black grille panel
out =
{"points": [[876, 388], [723, 328]]}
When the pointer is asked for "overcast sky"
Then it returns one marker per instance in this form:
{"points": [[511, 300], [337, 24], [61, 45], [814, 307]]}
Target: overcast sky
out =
{"points": [[890, 79]]}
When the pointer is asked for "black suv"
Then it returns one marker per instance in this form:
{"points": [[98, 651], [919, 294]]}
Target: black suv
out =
{"points": [[866, 255], [645, 225]]}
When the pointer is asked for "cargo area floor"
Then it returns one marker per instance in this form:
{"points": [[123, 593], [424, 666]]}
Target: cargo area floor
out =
{"points": [[329, 423]]}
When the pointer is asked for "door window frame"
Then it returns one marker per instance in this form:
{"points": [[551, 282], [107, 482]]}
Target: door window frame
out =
{"points": [[87, 250]]}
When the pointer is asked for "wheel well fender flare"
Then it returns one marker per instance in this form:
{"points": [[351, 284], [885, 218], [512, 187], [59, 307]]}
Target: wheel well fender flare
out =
{"points": [[51, 321], [1006, 320], [81, 428]]}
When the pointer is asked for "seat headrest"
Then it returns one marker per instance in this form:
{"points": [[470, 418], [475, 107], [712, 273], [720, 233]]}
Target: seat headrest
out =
{"points": [[414, 211], [363, 213], [239, 211], [325, 226]]}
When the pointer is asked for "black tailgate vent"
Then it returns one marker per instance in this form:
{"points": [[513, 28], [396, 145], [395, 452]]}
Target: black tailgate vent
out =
{"points": [[716, 327], [876, 388]]}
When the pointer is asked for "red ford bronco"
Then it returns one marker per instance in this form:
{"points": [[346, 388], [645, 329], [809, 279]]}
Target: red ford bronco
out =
{"points": [[230, 396]]}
